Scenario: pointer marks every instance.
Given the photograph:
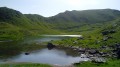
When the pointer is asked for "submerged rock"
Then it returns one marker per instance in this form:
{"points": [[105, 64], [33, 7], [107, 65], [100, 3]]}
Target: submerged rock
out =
{"points": [[27, 53]]}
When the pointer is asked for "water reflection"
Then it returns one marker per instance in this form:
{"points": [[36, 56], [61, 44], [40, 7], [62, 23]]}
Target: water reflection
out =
{"points": [[62, 35], [42, 39], [9, 49], [53, 56], [48, 38]]}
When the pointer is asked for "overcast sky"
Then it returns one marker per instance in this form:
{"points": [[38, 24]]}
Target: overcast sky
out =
{"points": [[48, 8]]}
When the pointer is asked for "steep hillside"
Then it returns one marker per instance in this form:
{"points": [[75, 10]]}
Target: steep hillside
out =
{"points": [[35, 17], [15, 25], [12, 16]]}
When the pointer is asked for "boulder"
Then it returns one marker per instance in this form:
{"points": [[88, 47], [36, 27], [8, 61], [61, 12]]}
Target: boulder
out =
{"points": [[81, 51], [93, 51], [109, 37], [80, 38], [105, 32], [112, 31], [104, 54], [118, 54], [108, 32], [117, 45], [75, 42], [105, 38], [50, 46]]}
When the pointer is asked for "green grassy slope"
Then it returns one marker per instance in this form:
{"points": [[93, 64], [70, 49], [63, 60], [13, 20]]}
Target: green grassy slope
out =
{"points": [[14, 25], [92, 35], [110, 63], [24, 65]]}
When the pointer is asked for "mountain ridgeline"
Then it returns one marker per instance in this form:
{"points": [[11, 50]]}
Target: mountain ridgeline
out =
{"points": [[15, 25], [87, 16]]}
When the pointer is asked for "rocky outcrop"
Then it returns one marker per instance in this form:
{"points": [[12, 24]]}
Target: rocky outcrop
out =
{"points": [[108, 32], [98, 60]]}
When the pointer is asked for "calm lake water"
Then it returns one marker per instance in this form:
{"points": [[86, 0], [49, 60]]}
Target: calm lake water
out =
{"points": [[58, 56]]}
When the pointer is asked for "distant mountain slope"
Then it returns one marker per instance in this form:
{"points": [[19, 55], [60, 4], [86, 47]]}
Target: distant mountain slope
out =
{"points": [[86, 16], [75, 19]]}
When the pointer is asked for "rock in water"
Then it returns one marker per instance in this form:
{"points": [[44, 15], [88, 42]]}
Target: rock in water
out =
{"points": [[50, 46], [27, 53]]}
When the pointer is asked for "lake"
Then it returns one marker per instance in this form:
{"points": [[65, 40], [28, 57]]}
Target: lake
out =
{"points": [[55, 56]]}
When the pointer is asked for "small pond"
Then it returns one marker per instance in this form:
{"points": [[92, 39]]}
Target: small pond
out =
{"points": [[56, 56]]}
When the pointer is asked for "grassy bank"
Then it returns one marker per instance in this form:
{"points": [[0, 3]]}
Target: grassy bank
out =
{"points": [[110, 63], [25, 65]]}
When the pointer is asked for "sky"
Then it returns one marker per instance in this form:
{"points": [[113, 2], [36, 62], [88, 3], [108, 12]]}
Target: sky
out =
{"points": [[49, 8]]}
